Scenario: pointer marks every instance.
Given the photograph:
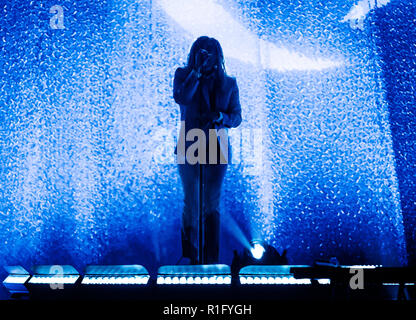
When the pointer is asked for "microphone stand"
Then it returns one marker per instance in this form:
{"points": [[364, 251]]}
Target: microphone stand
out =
{"points": [[201, 215], [201, 256]]}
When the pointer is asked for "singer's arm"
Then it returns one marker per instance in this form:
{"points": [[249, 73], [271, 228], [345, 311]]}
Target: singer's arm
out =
{"points": [[184, 85], [232, 118]]}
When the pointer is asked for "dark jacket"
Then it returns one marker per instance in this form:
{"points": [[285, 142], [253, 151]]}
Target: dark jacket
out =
{"points": [[226, 101]]}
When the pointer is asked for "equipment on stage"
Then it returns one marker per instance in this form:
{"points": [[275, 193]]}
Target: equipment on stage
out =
{"points": [[195, 275], [115, 275], [15, 281], [211, 281]]}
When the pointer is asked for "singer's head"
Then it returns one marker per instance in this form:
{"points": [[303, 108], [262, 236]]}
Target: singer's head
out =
{"points": [[210, 46]]}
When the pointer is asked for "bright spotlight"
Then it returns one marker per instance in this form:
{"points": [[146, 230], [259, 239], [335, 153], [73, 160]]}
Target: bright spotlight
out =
{"points": [[257, 251]]}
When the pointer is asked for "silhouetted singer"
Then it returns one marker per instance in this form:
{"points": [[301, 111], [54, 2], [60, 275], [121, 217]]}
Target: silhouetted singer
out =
{"points": [[209, 104]]}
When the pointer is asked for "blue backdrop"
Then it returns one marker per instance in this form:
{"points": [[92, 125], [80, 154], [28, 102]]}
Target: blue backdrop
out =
{"points": [[88, 127]]}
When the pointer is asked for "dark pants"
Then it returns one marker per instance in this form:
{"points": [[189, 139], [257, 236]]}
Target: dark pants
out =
{"points": [[213, 176]]}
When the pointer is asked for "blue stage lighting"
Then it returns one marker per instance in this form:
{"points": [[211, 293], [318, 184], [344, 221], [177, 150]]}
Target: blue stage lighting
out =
{"points": [[15, 281], [257, 251], [273, 275], [116, 275], [90, 127], [54, 274], [366, 266], [218, 274]]}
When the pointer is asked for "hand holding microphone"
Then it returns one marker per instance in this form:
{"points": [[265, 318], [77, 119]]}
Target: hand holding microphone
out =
{"points": [[205, 63]]}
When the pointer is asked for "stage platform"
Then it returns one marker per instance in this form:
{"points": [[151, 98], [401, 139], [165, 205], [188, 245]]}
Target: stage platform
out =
{"points": [[176, 293]]}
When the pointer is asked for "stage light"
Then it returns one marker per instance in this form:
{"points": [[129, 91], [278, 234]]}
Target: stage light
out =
{"points": [[362, 266], [257, 251], [116, 275], [210, 17], [273, 275], [54, 275], [215, 274], [15, 281]]}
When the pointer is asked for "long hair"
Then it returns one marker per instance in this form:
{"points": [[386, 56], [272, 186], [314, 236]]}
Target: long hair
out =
{"points": [[202, 42]]}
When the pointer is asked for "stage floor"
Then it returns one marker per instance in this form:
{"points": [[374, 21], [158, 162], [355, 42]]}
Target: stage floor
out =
{"points": [[201, 293]]}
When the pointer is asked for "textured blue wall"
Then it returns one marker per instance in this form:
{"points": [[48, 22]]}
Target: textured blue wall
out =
{"points": [[395, 30], [88, 126]]}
